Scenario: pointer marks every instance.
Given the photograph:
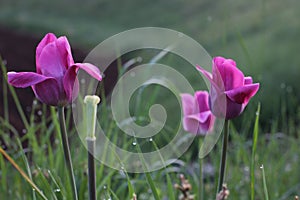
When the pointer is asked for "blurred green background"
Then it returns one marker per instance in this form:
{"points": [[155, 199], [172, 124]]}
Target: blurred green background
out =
{"points": [[263, 36]]}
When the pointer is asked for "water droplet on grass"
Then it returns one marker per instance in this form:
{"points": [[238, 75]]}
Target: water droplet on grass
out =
{"points": [[57, 190], [261, 167], [134, 143]]}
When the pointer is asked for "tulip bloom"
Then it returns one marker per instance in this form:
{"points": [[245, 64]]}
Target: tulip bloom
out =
{"points": [[230, 89], [55, 82], [197, 117]]}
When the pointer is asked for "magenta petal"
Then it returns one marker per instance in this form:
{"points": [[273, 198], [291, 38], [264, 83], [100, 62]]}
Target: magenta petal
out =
{"points": [[50, 37], [90, 69], [65, 50], [204, 116], [25, 79], [70, 83], [248, 80], [190, 125], [205, 73], [207, 126], [50, 93], [217, 61], [200, 117], [197, 123], [233, 109], [242, 95], [52, 62], [187, 104], [209, 77], [202, 99], [232, 77]]}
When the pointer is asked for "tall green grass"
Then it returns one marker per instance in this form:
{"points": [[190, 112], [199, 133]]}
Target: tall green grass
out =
{"points": [[42, 159]]}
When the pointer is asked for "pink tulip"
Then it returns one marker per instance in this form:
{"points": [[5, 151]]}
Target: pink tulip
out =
{"points": [[55, 82], [230, 89], [197, 117]]}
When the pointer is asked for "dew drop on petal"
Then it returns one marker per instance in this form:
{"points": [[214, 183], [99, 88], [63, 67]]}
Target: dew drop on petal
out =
{"points": [[40, 113], [150, 139], [24, 131]]}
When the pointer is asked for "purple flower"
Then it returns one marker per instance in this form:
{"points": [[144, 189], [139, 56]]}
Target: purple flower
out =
{"points": [[55, 82], [230, 89], [197, 117]]}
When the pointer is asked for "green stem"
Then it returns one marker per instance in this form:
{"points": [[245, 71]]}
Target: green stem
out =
{"points": [[201, 178], [91, 167], [67, 154], [224, 151]]}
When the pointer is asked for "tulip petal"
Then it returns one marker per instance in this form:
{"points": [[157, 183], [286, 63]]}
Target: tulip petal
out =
{"points": [[50, 37], [197, 123], [70, 80], [207, 126], [25, 79], [232, 77], [90, 69], [188, 106], [233, 109], [50, 93], [242, 95], [209, 76], [202, 99], [71, 85], [52, 62], [190, 125], [248, 80], [220, 60], [65, 50]]}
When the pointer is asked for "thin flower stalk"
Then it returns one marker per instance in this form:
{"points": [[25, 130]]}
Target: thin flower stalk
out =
{"points": [[66, 148], [91, 116]]}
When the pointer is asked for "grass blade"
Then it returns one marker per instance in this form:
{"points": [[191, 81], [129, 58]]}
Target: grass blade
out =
{"points": [[16, 166], [4, 88], [264, 183], [148, 176], [171, 194], [26, 165], [254, 145], [15, 97]]}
